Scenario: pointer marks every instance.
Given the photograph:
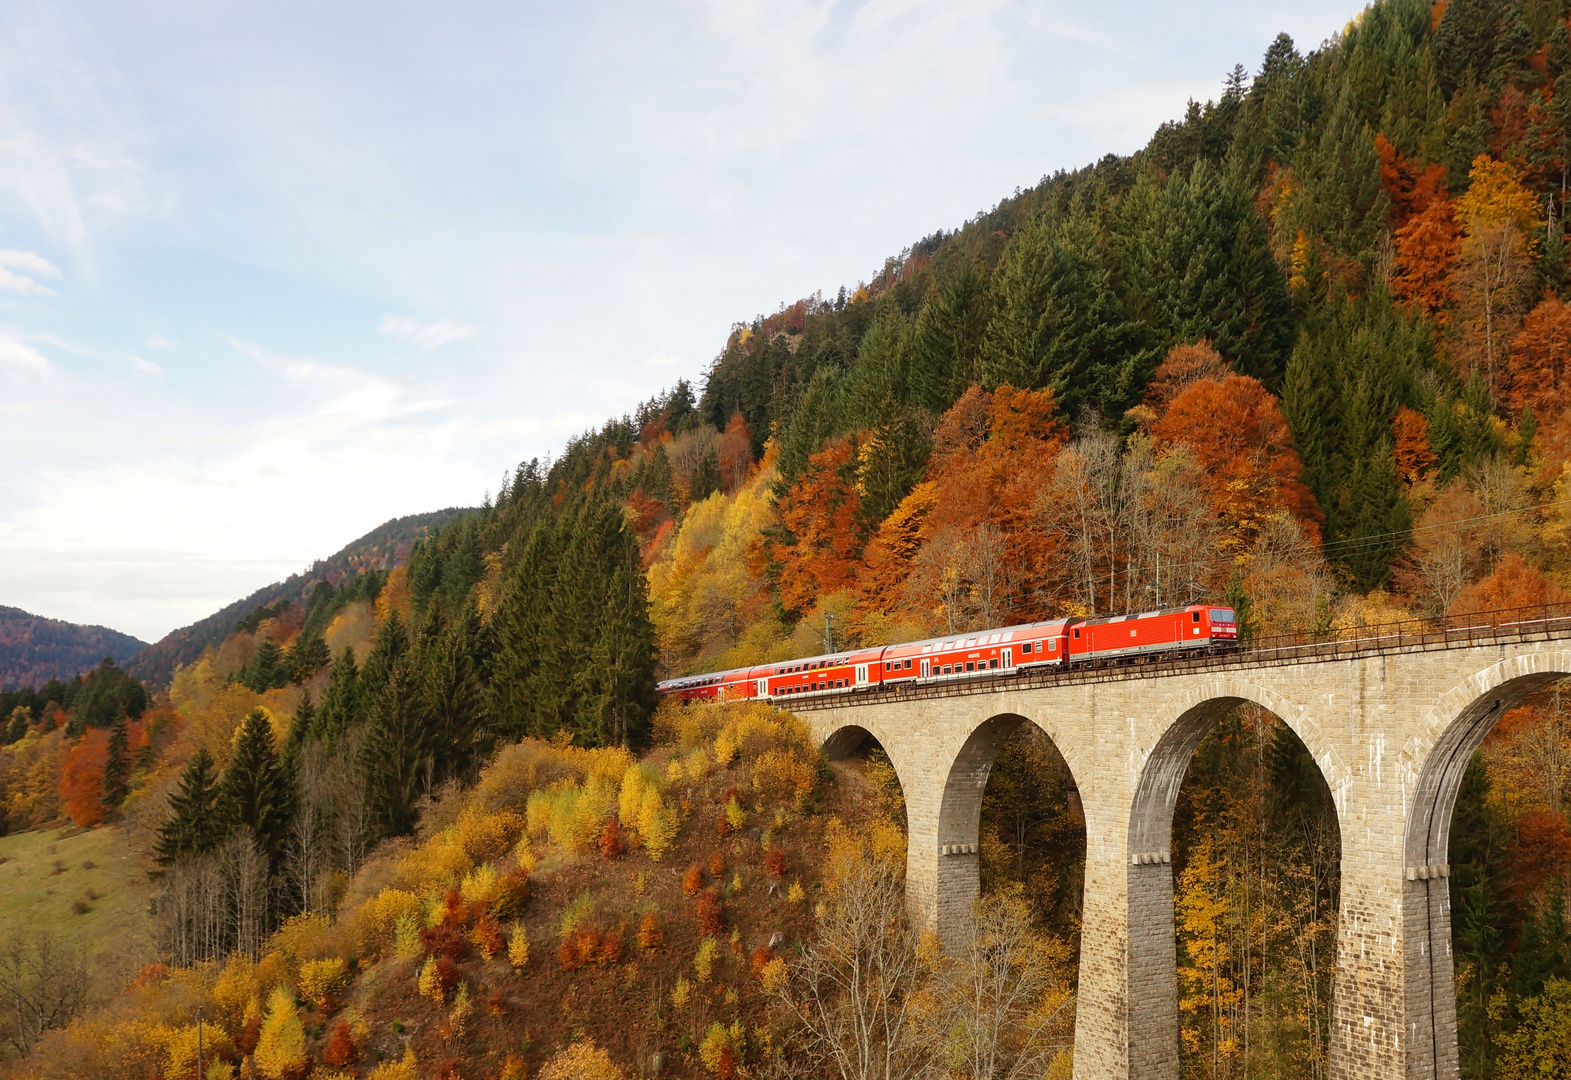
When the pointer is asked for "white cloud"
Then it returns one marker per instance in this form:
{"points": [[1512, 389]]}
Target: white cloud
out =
{"points": [[15, 266], [146, 367], [153, 341], [17, 353], [428, 336]]}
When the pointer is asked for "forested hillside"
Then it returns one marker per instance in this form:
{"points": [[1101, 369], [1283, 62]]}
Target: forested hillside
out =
{"points": [[383, 548], [34, 649], [1306, 351]]}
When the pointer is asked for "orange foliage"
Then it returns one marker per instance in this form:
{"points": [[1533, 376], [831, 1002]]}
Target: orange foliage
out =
{"points": [[341, 1049], [1515, 583], [1540, 849], [893, 547], [1240, 438], [711, 916], [1536, 369], [1183, 365], [761, 957], [693, 880], [649, 933], [736, 453], [821, 514], [1414, 456], [1426, 252], [611, 839], [1412, 188], [82, 778]]}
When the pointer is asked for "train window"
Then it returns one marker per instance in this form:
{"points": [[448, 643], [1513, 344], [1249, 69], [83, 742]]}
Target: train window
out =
{"points": [[1077, 633], [1053, 644], [1194, 616], [993, 663], [945, 670], [1025, 646], [971, 665], [908, 665], [1222, 615]]}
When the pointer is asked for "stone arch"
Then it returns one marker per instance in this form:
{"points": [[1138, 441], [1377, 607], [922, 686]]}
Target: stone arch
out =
{"points": [[959, 878], [1173, 733], [1432, 766]]}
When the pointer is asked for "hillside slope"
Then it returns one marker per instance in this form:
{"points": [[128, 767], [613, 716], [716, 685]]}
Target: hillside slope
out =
{"points": [[383, 548], [35, 649]]}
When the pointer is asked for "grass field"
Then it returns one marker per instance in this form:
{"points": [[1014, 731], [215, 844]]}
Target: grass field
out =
{"points": [[87, 890]]}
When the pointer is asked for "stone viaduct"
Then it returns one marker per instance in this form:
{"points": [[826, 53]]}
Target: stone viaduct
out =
{"points": [[1392, 722]]}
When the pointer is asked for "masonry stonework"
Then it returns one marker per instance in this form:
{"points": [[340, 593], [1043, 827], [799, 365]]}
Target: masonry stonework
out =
{"points": [[1391, 732]]}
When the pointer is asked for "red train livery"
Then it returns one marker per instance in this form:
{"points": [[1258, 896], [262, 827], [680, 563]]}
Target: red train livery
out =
{"points": [[983, 654]]}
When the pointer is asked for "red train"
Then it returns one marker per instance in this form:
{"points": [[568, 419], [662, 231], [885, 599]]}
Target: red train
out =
{"points": [[983, 654]]}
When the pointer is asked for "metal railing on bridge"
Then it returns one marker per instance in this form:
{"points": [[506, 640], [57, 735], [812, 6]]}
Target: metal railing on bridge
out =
{"points": [[1538, 622]]}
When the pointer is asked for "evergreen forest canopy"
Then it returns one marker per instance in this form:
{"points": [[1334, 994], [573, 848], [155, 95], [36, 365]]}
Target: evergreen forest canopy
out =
{"points": [[1306, 350], [34, 649]]}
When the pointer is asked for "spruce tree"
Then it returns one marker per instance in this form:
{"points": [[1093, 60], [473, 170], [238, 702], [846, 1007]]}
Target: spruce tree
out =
{"points": [[300, 728], [454, 695], [306, 657], [117, 768], [342, 706], [523, 683], [706, 478], [193, 826], [254, 793], [617, 697], [396, 754], [946, 343], [392, 642]]}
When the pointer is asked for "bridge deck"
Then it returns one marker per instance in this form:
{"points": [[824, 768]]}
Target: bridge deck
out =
{"points": [[1464, 632]]}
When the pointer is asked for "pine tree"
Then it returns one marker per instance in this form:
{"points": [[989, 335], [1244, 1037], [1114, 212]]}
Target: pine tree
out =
{"points": [[946, 343], [342, 706], [392, 642], [300, 728], [306, 657], [524, 678], [396, 754], [193, 826], [117, 768], [616, 695], [454, 695], [254, 793]]}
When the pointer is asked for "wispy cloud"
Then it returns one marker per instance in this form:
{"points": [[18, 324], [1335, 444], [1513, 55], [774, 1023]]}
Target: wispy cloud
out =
{"points": [[17, 353], [154, 341], [146, 367], [15, 266], [428, 336]]}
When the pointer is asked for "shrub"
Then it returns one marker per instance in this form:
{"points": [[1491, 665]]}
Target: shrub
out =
{"points": [[722, 1048], [580, 947], [513, 1068], [479, 887], [610, 839], [716, 864], [80, 907], [680, 992], [445, 940], [637, 780], [775, 976], [406, 1069], [322, 981], [780, 775], [761, 958], [657, 823], [711, 915], [794, 894], [649, 933], [427, 982], [704, 959], [581, 1061], [774, 862], [280, 1049], [463, 1008], [518, 946], [341, 1048], [735, 816], [610, 948], [512, 894], [488, 935], [693, 880]]}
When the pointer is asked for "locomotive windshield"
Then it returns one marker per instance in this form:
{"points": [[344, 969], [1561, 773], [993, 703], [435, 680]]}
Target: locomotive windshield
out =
{"points": [[1222, 615]]}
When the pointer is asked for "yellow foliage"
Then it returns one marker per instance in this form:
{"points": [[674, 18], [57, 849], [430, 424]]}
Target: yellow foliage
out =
{"points": [[480, 886], [680, 992], [281, 1048], [775, 976], [717, 1039], [581, 1061], [462, 1009], [636, 781], [571, 815], [518, 946], [657, 824], [795, 895], [704, 959], [321, 981], [378, 921], [735, 816], [236, 989], [406, 1069], [428, 984], [1496, 195]]}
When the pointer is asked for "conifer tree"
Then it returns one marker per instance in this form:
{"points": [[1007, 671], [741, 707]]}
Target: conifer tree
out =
{"points": [[117, 767], [300, 728], [616, 697], [392, 642], [522, 683], [342, 706], [396, 754], [254, 794], [454, 695], [193, 826], [306, 657], [946, 343], [706, 478]]}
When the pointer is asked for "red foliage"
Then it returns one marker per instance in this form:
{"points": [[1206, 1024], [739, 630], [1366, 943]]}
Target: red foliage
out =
{"points": [[1412, 187], [580, 947], [821, 512], [774, 862], [693, 880], [716, 864], [736, 453], [711, 914], [341, 1048], [496, 1004], [1538, 371], [489, 935], [447, 974], [761, 957], [611, 839], [1515, 583], [445, 941], [454, 911], [610, 951], [726, 1069], [151, 975], [250, 1035], [1414, 456], [1240, 438], [1540, 850], [82, 778], [448, 1070], [649, 933]]}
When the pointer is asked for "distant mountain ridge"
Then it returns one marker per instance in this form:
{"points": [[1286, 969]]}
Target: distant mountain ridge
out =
{"points": [[383, 548], [35, 649]]}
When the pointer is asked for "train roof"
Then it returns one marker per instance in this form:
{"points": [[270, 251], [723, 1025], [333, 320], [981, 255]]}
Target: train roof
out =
{"points": [[1100, 619], [979, 637]]}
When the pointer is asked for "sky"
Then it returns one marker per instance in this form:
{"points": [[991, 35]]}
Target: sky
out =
{"points": [[274, 273]]}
